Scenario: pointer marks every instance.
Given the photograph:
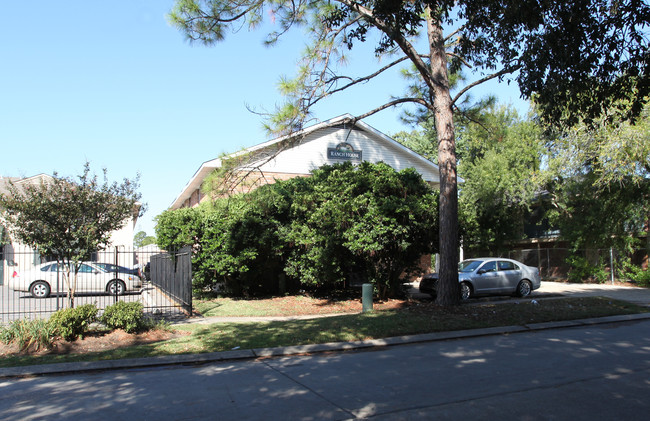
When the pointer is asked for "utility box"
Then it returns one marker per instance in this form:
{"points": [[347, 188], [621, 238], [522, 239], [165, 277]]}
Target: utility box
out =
{"points": [[366, 297]]}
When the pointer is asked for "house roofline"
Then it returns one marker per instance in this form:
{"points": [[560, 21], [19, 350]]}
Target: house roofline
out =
{"points": [[208, 166]]}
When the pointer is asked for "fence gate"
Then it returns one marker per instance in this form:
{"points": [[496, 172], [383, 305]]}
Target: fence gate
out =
{"points": [[171, 275]]}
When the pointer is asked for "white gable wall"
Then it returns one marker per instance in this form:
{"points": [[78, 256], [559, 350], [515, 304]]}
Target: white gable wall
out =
{"points": [[307, 150], [311, 153]]}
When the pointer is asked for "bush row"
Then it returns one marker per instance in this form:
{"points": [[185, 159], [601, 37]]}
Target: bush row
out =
{"points": [[72, 323], [345, 223]]}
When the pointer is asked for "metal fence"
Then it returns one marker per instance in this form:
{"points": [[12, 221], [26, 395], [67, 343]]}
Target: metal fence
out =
{"points": [[33, 286], [553, 263]]}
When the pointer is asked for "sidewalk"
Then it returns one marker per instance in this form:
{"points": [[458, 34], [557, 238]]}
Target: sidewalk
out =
{"points": [[639, 296]]}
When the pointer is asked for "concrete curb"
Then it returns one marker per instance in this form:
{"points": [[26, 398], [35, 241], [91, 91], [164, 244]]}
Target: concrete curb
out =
{"points": [[248, 354]]}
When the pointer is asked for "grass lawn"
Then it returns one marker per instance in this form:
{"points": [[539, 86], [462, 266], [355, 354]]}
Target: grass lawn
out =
{"points": [[399, 318]]}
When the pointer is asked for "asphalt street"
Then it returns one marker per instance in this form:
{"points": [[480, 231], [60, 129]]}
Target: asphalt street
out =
{"points": [[588, 372]]}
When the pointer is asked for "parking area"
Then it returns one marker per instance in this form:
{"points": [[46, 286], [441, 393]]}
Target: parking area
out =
{"points": [[636, 295], [16, 305], [550, 289]]}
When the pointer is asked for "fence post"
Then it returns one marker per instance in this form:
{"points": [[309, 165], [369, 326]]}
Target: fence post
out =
{"points": [[115, 281], [539, 259], [611, 263]]}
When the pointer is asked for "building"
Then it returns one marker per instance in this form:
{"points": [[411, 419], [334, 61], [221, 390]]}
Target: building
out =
{"points": [[337, 140]]}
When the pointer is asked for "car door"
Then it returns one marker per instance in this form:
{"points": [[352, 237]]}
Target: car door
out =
{"points": [[87, 279], [510, 275], [57, 276], [485, 279]]}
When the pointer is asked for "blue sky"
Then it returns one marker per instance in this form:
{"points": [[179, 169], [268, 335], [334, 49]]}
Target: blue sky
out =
{"points": [[114, 84]]}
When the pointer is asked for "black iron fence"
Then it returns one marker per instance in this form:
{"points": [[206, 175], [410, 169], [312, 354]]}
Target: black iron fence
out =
{"points": [[33, 286]]}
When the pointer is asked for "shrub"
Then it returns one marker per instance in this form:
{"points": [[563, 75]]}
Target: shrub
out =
{"points": [[582, 270], [635, 274], [70, 323], [37, 333], [126, 316], [318, 233]]}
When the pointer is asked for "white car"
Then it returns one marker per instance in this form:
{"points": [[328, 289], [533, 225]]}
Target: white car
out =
{"points": [[42, 280]]}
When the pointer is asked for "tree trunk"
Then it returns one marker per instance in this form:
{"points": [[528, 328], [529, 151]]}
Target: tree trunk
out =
{"points": [[448, 293]]}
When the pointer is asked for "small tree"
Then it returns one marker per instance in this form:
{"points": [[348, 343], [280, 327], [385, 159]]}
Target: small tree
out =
{"points": [[68, 220], [141, 239]]}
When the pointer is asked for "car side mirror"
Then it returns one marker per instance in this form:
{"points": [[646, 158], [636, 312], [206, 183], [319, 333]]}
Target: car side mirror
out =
{"points": [[482, 271]]}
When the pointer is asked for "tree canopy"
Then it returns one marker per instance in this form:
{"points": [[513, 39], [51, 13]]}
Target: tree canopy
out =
{"points": [[599, 179], [500, 159], [142, 239], [574, 58]]}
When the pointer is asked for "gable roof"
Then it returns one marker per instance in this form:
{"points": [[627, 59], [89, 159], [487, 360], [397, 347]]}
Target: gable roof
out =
{"points": [[287, 154], [19, 183]]}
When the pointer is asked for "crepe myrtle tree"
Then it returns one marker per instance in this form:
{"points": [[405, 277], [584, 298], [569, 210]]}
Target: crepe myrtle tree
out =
{"points": [[575, 58], [68, 219]]}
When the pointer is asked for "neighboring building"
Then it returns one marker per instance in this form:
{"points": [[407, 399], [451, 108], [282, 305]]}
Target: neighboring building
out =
{"points": [[337, 140], [15, 256]]}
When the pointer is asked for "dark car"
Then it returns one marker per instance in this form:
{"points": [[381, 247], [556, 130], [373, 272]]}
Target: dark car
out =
{"points": [[110, 267], [489, 276]]}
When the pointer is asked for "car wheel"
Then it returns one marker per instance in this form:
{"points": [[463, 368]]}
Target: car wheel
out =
{"points": [[116, 287], [524, 288], [40, 289], [465, 291]]}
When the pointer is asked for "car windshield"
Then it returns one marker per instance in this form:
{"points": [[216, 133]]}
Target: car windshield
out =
{"points": [[469, 265]]}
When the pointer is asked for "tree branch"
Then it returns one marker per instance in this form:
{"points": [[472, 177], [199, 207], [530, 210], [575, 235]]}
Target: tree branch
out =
{"points": [[358, 80], [403, 43], [392, 104], [485, 79]]}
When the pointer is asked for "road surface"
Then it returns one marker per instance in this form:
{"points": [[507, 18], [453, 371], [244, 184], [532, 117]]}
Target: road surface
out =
{"points": [[596, 372]]}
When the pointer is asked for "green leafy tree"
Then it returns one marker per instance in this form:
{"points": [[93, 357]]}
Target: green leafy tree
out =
{"points": [[68, 219], [234, 240], [366, 222], [392, 225], [599, 177], [574, 57], [142, 239], [592, 218], [500, 159], [178, 228]]}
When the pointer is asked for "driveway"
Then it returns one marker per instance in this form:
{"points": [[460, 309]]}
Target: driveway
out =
{"points": [[640, 296]]}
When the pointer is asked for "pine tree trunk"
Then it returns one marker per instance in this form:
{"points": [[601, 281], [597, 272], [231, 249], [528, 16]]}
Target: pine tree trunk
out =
{"points": [[448, 293]]}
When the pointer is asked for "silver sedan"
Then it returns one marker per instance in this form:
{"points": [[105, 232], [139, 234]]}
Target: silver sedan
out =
{"points": [[489, 276], [42, 280]]}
